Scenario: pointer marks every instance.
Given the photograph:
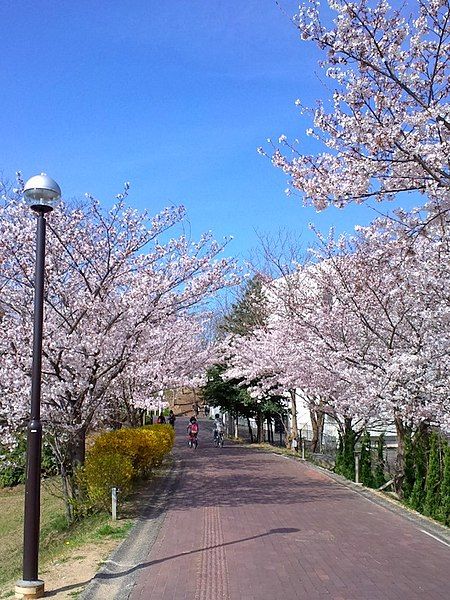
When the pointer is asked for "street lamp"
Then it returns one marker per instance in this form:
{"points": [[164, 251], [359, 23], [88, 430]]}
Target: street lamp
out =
{"points": [[42, 194]]}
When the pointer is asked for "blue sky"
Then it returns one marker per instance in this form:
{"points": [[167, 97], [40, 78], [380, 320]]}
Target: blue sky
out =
{"points": [[173, 96]]}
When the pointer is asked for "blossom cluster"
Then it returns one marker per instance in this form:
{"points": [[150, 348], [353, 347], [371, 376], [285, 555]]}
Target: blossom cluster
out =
{"points": [[363, 328], [387, 127], [125, 311]]}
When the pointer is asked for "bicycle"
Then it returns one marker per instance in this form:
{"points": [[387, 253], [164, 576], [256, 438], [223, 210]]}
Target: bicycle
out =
{"points": [[192, 441], [218, 439]]}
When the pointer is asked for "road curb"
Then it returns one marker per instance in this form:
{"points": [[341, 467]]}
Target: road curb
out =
{"points": [[425, 525], [117, 576]]}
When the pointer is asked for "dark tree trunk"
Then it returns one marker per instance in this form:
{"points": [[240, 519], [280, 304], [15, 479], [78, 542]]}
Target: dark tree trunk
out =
{"points": [[250, 431], [260, 428], [317, 422], [400, 459], [270, 430], [79, 448], [70, 458]]}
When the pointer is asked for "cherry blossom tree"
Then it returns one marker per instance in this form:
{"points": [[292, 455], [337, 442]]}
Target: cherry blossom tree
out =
{"points": [[392, 284], [363, 330], [294, 352], [173, 354], [119, 292], [387, 127], [371, 320]]}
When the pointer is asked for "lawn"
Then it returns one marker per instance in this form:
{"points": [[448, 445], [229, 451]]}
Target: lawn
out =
{"points": [[57, 540], [11, 525]]}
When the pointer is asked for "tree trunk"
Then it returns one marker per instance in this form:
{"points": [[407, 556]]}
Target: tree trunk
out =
{"points": [[236, 426], [260, 427], [269, 430], [79, 447], [67, 494], [294, 424], [317, 422], [250, 430], [400, 459], [73, 458]]}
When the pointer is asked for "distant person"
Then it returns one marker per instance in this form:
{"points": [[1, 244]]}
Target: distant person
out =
{"points": [[161, 420], [171, 418], [218, 426], [206, 408], [196, 409], [192, 430]]}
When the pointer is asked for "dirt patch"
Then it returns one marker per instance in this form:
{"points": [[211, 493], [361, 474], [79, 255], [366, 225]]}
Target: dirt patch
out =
{"points": [[66, 578]]}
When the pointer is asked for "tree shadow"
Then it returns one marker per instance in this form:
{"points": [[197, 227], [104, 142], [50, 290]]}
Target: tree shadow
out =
{"points": [[220, 477], [102, 576]]}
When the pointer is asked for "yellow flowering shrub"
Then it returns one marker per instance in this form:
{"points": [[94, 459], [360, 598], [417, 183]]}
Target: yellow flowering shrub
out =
{"points": [[118, 457], [103, 471]]}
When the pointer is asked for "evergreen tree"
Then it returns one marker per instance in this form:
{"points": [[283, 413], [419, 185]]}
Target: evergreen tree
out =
{"points": [[420, 447], [217, 392], [409, 469], [365, 464], [249, 312], [345, 457], [444, 509], [433, 479]]}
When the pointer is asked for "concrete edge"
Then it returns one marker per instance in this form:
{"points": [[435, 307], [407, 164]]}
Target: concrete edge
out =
{"points": [[118, 574]]}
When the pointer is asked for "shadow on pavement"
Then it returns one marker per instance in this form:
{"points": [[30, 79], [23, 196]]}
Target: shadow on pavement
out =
{"points": [[106, 576], [280, 530]]}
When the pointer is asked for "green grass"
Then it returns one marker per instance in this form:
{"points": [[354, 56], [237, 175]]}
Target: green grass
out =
{"points": [[57, 538]]}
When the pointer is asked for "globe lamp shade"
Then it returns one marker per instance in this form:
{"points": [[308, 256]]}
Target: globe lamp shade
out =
{"points": [[42, 193]]}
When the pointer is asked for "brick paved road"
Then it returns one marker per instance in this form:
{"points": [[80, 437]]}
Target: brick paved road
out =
{"points": [[249, 525]]}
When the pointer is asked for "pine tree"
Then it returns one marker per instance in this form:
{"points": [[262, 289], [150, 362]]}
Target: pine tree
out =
{"points": [[249, 312], [432, 484], [420, 447], [366, 461], [409, 469], [444, 509], [345, 458]]}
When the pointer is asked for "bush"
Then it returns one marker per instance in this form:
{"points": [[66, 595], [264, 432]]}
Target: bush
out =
{"points": [[103, 471], [345, 457], [420, 450], [119, 457], [444, 509], [13, 461], [433, 479], [409, 474]]}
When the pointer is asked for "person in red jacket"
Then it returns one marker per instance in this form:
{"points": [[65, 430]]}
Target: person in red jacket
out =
{"points": [[192, 430]]}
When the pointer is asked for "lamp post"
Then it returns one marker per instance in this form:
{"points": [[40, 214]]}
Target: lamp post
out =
{"points": [[42, 193]]}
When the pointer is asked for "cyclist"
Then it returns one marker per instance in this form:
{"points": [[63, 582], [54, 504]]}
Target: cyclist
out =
{"points": [[218, 426], [192, 430]]}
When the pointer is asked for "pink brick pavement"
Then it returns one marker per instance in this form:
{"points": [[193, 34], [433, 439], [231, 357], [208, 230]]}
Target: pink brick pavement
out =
{"points": [[249, 525]]}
